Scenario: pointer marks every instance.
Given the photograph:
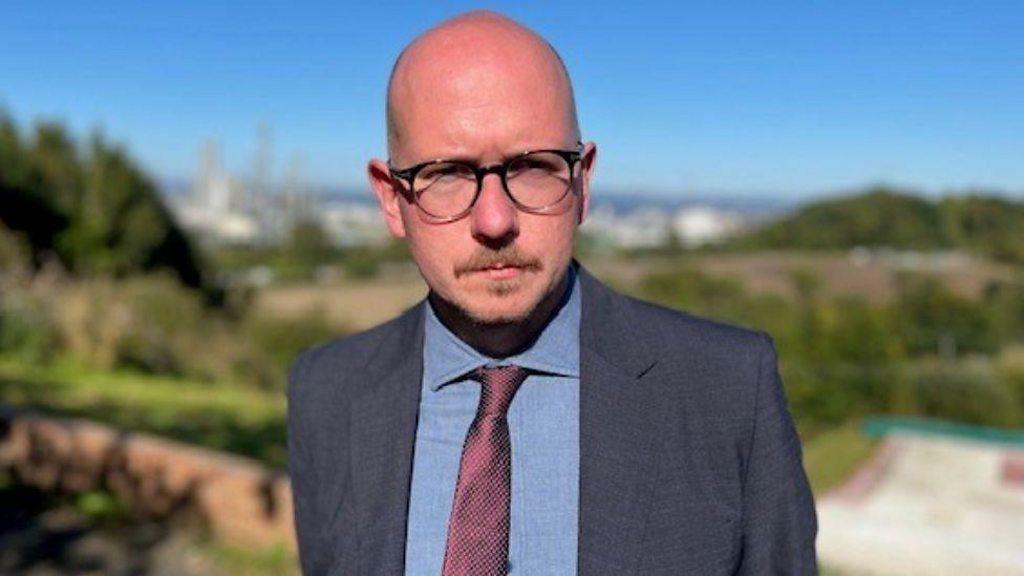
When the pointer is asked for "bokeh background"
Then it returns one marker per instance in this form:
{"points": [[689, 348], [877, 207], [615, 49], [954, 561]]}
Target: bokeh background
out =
{"points": [[183, 208]]}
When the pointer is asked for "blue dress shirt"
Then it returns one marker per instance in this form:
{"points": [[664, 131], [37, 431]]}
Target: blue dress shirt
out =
{"points": [[544, 429]]}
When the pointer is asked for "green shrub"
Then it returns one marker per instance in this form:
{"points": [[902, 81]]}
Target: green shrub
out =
{"points": [[833, 392], [27, 329], [15, 255], [969, 392], [1011, 372], [931, 319], [361, 266], [279, 340], [150, 323]]}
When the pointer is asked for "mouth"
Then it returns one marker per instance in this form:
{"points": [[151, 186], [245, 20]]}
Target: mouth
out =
{"points": [[499, 271]]}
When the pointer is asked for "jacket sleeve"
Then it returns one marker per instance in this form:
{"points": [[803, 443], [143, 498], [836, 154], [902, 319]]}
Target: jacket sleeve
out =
{"points": [[779, 520], [309, 518]]}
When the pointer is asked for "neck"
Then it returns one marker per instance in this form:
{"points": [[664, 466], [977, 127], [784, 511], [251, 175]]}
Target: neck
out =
{"points": [[500, 339]]}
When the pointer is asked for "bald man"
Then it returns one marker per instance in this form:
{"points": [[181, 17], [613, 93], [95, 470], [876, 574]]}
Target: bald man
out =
{"points": [[524, 418]]}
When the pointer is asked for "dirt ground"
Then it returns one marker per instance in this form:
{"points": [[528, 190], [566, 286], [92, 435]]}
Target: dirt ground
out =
{"points": [[352, 305]]}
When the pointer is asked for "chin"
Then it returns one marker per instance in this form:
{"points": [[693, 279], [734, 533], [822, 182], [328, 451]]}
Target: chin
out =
{"points": [[499, 302], [500, 305]]}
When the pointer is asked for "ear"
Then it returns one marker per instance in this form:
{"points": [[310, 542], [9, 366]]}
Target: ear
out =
{"points": [[389, 196], [587, 162]]}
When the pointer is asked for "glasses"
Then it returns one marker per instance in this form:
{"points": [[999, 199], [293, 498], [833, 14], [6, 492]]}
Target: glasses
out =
{"points": [[535, 181]]}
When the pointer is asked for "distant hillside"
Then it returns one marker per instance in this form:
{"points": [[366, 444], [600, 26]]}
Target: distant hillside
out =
{"points": [[984, 224]]}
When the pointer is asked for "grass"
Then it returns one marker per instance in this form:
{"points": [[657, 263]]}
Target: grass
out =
{"points": [[831, 455], [273, 561], [231, 418]]}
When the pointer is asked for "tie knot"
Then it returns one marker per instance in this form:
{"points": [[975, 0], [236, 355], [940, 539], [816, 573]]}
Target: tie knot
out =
{"points": [[497, 387]]}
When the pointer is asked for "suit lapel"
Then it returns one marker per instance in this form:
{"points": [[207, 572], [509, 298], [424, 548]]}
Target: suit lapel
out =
{"points": [[618, 419], [383, 428]]}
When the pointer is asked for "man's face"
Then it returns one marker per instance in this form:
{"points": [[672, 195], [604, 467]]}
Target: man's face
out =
{"points": [[498, 263]]}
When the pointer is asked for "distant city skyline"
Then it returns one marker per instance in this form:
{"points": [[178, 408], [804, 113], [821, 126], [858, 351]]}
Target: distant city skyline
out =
{"points": [[787, 99]]}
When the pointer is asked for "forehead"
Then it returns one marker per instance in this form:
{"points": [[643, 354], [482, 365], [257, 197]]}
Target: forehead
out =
{"points": [[480, 97]]}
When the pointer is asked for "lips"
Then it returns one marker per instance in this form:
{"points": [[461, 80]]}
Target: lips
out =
{"points": [[500, 271]]}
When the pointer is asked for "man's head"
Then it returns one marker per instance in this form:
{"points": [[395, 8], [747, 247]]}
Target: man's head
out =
{"points": [[481, 88]]}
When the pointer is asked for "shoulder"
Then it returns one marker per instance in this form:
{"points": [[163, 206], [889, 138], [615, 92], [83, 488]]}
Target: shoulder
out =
{"points": [[705, 331], [696, 359], [676, 330], [675, 333], [716, 381]]}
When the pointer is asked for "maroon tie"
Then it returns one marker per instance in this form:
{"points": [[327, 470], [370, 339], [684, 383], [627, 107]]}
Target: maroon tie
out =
{"points": [[478, 529]]}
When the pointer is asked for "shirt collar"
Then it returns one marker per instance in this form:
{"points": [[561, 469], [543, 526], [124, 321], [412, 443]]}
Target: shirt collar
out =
{"points": [[555, 351]]}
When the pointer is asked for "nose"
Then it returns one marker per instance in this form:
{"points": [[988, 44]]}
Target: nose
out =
{"points": [[494, 218]]}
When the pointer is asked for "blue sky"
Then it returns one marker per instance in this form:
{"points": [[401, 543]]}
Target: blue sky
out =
{"points": [[758, 98]]}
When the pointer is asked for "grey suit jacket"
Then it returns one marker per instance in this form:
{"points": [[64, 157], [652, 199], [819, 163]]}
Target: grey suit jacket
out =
{"points": [[689, 461]]}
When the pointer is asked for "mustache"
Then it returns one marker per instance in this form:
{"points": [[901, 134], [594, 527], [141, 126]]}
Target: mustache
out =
{"points": [[507, 256]]}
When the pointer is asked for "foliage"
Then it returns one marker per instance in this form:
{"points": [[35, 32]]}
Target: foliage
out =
{"points": [[985, 224], [969, 392], [13, 251], [27, 330], [1005, 305], [883, 217], [879, 217], [101, 507], [150, 324], [27, 327], [932, 319], [280, 340], [88, 205], [1011, 370], [308, 246]]}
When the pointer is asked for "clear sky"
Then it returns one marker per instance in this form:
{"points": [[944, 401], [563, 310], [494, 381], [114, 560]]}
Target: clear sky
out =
{"points": [[770, 98]]}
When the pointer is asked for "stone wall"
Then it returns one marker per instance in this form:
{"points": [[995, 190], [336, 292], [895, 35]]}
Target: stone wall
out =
{"points": [[241, 501]]}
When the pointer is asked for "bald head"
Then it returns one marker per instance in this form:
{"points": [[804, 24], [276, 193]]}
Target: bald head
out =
{"points": [[473, 60]]}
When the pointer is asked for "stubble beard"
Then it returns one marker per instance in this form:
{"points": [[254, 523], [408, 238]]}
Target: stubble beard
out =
{"points": [[514, 331], [500, 289]]}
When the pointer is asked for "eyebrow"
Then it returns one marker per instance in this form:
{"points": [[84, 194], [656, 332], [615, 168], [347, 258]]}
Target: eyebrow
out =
{"points": [[504, 157]]}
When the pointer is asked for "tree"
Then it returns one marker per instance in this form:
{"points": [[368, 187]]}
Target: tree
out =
{"points": [[95, 210]]}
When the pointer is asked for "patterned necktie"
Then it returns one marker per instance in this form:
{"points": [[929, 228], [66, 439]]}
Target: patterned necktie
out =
{"points": [[478, 528]]}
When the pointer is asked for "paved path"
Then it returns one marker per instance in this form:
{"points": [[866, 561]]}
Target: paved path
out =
{"points": [[929, 506]]}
